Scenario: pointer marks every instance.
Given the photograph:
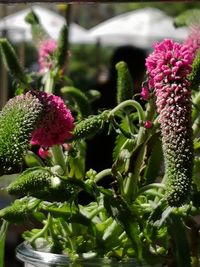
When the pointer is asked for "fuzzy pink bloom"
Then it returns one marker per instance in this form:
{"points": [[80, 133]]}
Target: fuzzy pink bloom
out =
{"points": [[148, 124], [46, 50], [193, 40], [145, 93], [168, 67], [56, 124]]}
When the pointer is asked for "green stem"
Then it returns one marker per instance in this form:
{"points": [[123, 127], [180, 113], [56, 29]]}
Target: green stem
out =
{"points": [[42, 232], [49, 85], [102, 174], [95, 212], [58, 157], [130, 184], [196, 127], [196, 103], [150, 186], [132, 103]]}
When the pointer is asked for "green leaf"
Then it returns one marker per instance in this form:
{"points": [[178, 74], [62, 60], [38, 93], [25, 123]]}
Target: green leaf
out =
{"points": [[3, 231], [32, 160], [123, 214], [194, 76], [179, 234], [11, 61], [155, 157], [70, 215], [187, 17]]}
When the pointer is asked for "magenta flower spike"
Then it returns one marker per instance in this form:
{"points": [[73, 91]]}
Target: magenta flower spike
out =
{"points": [[56, 123], [168, 67]]}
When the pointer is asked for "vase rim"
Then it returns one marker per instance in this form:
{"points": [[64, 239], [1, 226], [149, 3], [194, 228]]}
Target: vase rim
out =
{"points": [[25, 253]]}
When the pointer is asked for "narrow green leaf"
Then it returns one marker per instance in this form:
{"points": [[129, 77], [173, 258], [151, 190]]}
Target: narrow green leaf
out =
{"points": [[182, 248], [3, 231], [124, 215], [11, 61]]}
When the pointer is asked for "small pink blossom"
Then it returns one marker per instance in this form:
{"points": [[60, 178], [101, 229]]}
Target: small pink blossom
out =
{"points": [[67, 147], [56, 124], [145, 93], [46, 51], [148, 124], [44, 153]]}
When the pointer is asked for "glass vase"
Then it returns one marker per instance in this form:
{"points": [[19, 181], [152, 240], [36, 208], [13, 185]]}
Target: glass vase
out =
{"points": [[33, 258]]}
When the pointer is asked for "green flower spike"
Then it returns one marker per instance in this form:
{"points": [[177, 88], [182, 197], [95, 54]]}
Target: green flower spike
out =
{"points": [[124, 82], [43, 184], [90, 126], [20, 210], [18, 119], [61, 51]]}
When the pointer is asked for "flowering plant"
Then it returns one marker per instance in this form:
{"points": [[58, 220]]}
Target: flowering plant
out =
{"points": [[149, 210]]}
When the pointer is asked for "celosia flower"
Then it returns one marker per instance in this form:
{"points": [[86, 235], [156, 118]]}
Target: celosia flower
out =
{"points": [[193, 40], [56, 124], [168, 67], [46, 50]]}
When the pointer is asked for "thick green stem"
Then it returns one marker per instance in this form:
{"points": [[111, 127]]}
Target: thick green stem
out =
{"points": [[102, 174], [132, 103], [196, 127], [150, 186], [42, 232], [49, 85], [130, 184], [196, 104], [58, 157]]}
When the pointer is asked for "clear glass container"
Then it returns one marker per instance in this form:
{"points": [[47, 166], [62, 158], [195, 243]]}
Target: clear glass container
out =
{"points": [[33, 258]]}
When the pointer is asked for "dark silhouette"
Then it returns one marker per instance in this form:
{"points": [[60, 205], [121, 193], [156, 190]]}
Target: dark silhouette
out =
{"points": [[99, 149]]}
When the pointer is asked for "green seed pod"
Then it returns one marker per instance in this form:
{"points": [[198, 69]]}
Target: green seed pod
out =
{"points": [[18, 118], [194, 76], [90, 126], [20, 210], [11, 61], [124, 82], [41, 183], [61, 51]]}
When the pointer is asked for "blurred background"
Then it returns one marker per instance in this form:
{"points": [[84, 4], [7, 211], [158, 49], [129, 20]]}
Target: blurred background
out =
{"points": [[96, 32]]}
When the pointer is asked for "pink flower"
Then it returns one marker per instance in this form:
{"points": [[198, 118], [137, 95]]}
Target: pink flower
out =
{"points": [[168, 67], [46, 51], [56, 123], [145, 93], [148, 124], [44, 153]]}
